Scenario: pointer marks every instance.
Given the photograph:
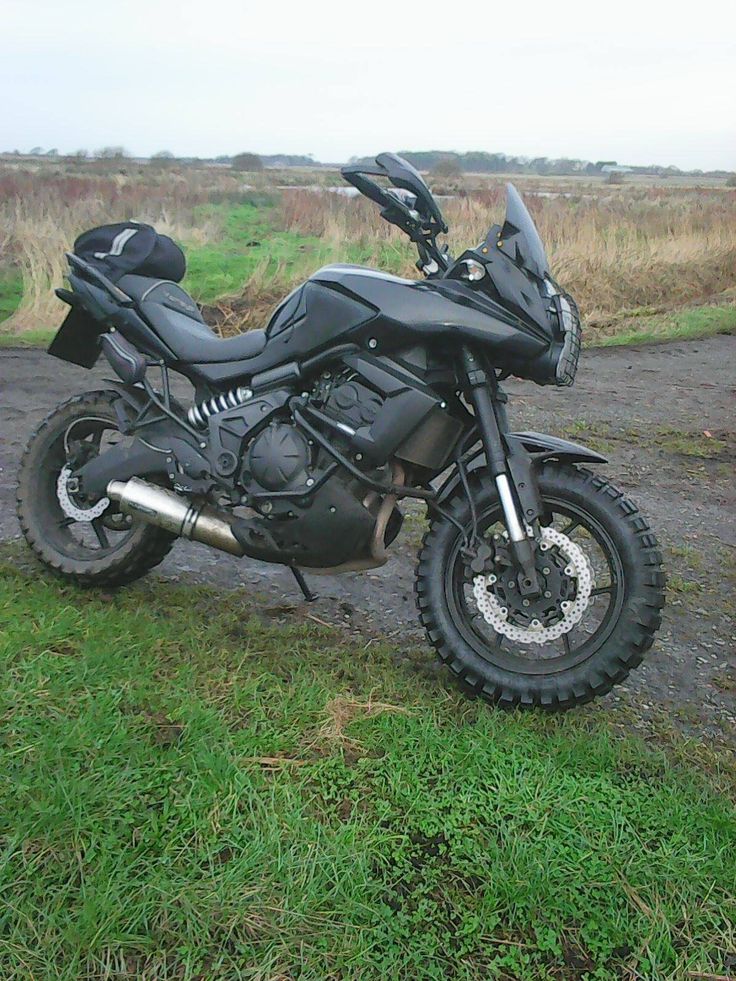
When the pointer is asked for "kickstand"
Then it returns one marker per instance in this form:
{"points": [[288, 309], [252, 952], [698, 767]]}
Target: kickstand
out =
{"points": [[309, 596]]}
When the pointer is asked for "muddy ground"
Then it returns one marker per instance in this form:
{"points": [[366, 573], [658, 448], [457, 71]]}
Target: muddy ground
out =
{"points": [[664, 415]]}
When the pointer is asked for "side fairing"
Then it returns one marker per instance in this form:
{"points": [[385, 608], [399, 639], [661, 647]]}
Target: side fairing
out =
{"points": [[407, 310]]}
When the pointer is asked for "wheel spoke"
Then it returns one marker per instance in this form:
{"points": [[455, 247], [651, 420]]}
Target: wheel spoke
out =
{"points": [[566, 642], [571, 527], [99, 530], [66, 522]]}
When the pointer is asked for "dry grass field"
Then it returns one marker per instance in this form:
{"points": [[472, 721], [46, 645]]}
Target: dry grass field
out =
{"points": [[625, 251]]}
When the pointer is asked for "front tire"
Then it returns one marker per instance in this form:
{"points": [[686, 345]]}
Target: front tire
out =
{"points": [[111, 550], [479, 641]]}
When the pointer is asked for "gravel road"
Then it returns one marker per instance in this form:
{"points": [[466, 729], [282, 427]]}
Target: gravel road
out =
{"points": [[664, 416]]}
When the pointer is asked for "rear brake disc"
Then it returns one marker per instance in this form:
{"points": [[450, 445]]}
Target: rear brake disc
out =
{"points": [[69, 508]]}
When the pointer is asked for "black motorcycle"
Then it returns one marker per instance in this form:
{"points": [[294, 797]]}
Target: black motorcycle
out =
{"points": [[538, 583]]}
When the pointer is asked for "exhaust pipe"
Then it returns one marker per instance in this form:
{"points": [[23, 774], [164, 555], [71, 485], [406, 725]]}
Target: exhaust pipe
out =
{"points": [[201, 523], [167, 510]]}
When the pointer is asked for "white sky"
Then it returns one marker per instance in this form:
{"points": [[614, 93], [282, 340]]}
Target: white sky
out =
{"points": [[637, 82]]}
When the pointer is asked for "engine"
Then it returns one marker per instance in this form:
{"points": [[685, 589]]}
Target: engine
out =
{"points": [[281, 458], [372, 413], [351, 403], [278, 458]]}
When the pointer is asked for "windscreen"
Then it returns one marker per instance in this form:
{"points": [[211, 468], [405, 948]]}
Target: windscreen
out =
{"points": [[520, 235]]}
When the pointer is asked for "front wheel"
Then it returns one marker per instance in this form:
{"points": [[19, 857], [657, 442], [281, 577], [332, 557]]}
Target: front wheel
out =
{"points": [[602, 592]]}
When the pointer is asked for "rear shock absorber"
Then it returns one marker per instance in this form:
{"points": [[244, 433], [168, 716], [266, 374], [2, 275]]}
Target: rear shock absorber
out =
{"points": [[199, 414]]}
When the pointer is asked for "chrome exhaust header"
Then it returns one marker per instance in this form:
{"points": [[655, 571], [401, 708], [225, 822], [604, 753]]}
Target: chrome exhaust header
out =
{"points": [[165, 509]]}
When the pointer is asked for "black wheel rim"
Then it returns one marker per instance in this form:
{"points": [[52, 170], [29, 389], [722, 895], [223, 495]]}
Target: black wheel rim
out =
{"points": [[87, 435], [572, 649]]}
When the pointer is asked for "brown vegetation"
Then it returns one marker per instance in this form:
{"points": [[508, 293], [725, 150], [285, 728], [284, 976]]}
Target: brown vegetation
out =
{"points": [[617, 249], [42, 212]]}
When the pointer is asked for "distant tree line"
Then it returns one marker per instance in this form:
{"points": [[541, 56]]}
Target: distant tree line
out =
{"points": [[444, 163], [449, 163]]}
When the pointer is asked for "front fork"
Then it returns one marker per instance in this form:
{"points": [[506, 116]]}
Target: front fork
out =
{"points": [[483, 390]]}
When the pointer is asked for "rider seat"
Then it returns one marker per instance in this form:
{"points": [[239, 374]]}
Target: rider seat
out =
{"points": [[177, 320]]}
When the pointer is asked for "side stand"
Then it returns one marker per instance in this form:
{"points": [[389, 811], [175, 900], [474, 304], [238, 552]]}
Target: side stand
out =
{"points": [[307, 593]]}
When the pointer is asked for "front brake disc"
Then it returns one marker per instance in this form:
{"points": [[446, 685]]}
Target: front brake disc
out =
{"points": [[578, 568]]}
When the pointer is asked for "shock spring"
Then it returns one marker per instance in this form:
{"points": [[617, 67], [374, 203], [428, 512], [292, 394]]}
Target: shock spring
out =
{"points": [[199, 414]]}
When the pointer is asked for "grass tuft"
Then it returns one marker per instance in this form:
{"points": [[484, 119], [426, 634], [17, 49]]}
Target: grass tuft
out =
{"points": [[625, 253]]}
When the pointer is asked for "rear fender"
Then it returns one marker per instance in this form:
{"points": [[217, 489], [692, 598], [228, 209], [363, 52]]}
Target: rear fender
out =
{"points": [[132, 397]]}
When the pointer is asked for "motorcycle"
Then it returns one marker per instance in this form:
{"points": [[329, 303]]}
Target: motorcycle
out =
{"points": [[537, 582]]}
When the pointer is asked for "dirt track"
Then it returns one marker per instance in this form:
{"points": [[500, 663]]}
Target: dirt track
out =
{"points": [[649, 409]]}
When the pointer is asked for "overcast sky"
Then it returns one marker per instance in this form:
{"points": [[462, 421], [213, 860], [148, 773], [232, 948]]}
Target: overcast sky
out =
{"points": [[638, 82]]}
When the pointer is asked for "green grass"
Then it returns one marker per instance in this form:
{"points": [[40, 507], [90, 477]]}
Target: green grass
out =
{"points": [[191, 789], [41, 337], [11, 292], [604, 437], [250, 241], [680, 325]]}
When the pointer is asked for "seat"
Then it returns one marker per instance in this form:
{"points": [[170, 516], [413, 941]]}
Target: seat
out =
{"points": [[177, 320]]}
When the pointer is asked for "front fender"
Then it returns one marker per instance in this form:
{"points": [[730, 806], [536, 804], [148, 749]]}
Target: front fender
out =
{"points": [[544, 447], [527, 448]]}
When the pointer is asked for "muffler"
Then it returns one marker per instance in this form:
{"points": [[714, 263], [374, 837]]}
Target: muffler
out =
{"points": [[167, 510]]}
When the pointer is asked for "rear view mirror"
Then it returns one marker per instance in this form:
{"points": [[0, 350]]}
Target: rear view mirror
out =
{"points": [[408, 204], [406, 198], [405, 177]]}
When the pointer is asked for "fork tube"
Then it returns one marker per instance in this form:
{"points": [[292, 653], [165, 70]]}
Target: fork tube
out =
{"points": [[480, 383], [515, 530], [523, 547]]}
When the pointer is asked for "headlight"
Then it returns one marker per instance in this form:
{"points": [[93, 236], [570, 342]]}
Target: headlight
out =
{"points": [[568, 325], [473, 271]]}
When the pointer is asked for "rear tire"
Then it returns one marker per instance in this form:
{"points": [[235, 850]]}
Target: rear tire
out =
{"points": [[475, 653], [137, 547]]}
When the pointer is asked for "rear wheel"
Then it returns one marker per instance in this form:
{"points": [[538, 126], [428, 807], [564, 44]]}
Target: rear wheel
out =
{"points": [[600, 572], [89, 542]]}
